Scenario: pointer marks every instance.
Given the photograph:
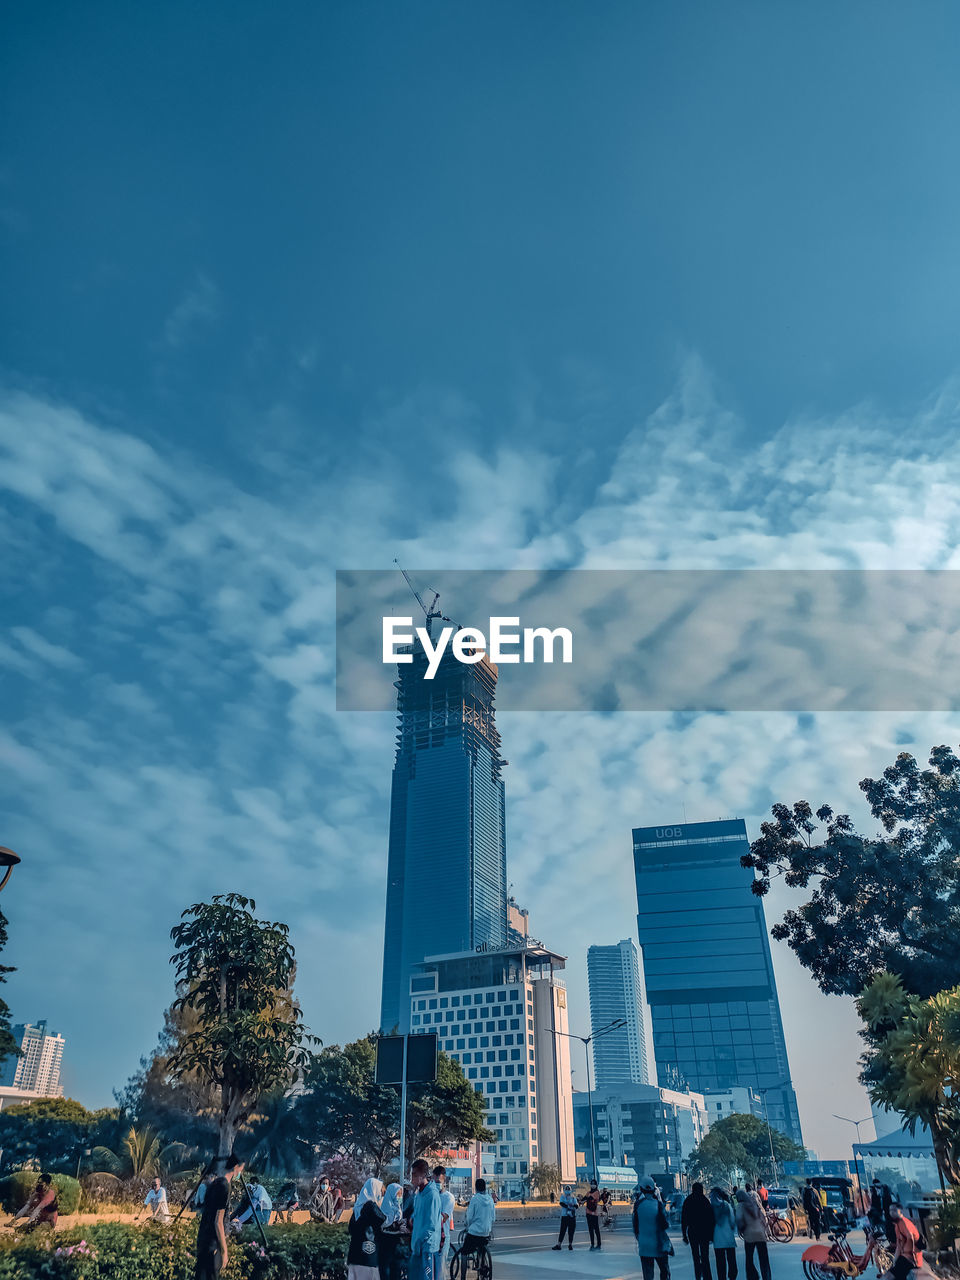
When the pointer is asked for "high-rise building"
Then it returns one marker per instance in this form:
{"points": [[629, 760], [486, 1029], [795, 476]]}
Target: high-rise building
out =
{"points": [[709, 974], [446, 865], [502, 1014], [616, 992], [37, 1070]]}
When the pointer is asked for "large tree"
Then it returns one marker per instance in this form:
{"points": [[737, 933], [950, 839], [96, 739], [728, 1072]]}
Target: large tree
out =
{"points": [[54, 1131], [8, 1046], [887, 902], [235, 973], [912, 1062], [740, 1144], [345, 1110]]}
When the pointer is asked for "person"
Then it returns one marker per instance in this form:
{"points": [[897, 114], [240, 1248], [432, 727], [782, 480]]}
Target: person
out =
{"points": [[762, 1193], [365, 1230], [481, 1215], [321, 1202], [592, 1206], [288, 1201], [156, 1202], [425, 1238], [568, 1218], [724, 1234], [811, 1207], [257, 1206], [553, 1197], [212, 1253], [605, 1198], [650, 1230], [908, 1254], [696, 1223], [887, 1202], [447, 1205], [392, 1232], [752, 1222], [336, 1209], [42, 1207]]}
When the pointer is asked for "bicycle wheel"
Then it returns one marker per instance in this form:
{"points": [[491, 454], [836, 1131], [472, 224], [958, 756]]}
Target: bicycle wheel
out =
{"points": [[780, 1229], [484, 1265], [455, 1267]]}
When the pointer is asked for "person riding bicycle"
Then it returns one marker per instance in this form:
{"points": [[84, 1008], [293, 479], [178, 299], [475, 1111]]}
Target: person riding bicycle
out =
{"points": [[605, 1198], [481, 1215]]}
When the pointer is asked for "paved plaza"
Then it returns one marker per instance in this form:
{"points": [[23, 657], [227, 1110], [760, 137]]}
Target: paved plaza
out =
{"points": [[522, 1251]]}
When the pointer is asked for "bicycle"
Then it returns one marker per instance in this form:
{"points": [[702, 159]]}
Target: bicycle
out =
{"points": [[823, 1262], [477, 1260], [779, 1227], [607, 1221]]}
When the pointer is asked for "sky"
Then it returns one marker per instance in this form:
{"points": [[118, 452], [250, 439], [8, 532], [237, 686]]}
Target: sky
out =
{"points": [[475, 286]]}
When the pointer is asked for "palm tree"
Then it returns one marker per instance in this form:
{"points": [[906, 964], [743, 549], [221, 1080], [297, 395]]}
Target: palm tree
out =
{"points": [[142, 1155]]}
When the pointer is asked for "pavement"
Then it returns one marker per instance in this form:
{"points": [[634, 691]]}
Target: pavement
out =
{"points": [[523, 1251]]}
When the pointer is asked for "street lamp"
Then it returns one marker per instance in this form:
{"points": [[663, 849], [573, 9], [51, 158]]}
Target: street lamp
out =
{"points": [[784, 1084], [8, 860], [856, 1163], [585, 1041]]}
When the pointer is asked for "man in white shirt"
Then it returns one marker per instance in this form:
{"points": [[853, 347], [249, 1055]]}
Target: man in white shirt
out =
{"points": [[259, 1207], [447, 1205], [481, 1215], [156, 1202]]}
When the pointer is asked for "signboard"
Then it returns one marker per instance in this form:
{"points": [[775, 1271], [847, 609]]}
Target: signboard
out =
{"points": [[421, 1059]]}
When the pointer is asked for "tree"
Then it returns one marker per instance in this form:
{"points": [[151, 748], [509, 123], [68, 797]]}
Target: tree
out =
{"points": [[544, 1178], [912, 1062], [236, 974], [53, 1131], [741, 1144], [890, 903], [8, 1046], [343, 1109], [142, 1154]]}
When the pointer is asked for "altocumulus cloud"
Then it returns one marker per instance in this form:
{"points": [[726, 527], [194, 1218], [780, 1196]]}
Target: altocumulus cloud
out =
{"points": [[171, 730]]}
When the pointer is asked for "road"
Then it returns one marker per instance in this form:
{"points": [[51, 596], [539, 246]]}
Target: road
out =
{"points": [[523, 1251]]}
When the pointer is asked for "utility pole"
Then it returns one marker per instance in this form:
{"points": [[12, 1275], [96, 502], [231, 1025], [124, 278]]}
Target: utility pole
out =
{"points": [[585, 1041]]}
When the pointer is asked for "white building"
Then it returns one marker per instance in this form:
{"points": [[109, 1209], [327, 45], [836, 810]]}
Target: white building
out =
{"points": [[502, 1014], [615, 977], [642, 1127], [741, 1100], [37, 1071]]}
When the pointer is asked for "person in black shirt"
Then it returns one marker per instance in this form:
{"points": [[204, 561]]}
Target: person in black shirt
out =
{"points": [[697, 1223], [211, 1236]]}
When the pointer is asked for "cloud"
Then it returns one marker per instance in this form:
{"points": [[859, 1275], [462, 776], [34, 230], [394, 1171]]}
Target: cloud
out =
{"points": [[197, 311], [190, 743]]}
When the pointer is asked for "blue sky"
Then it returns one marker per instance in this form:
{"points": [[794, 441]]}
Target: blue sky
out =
{"points": [[479, 286]]}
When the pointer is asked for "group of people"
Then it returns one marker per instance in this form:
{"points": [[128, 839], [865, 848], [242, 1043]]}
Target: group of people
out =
{"points": [[704, 1221], [595, 1203]]}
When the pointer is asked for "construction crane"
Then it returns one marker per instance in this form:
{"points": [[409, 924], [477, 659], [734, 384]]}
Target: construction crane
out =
{"points": [[433, 611]]}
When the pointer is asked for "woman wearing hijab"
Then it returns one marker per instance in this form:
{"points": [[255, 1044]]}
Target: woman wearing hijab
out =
{"points": [[365, 1228], [393, 1233], [724, 1235], [753, 1227]]}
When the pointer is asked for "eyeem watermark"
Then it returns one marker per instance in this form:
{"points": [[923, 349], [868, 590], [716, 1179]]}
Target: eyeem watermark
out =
{"points": [[507, 643]]}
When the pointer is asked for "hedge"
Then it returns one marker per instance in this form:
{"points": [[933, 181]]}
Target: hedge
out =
{"points": [[122, 1251], [15, 1190]]}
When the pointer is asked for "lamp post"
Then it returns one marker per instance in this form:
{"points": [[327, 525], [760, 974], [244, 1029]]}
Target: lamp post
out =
{"points": [[856, 1162], [585, 1041], [8, 860]]}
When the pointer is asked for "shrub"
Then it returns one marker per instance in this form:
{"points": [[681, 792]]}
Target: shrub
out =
{"points": [[15, 1190], [121, 1251]]}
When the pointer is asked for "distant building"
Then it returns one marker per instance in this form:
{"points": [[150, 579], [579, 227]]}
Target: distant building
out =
{"points": [[738, 1101], [37, 1071], [641, 1127], [616, 992], [709, 974], [501, 1013]]}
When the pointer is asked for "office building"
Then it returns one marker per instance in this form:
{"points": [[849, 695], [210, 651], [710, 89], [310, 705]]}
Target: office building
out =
{"points": [[37, 1071], [709, 974], [502, 1014], [738, 1101], [446, 865], [642, 1127], [616, 992]]}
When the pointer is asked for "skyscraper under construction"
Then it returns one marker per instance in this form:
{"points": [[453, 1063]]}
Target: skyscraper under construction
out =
{"points": [[446, 865]]}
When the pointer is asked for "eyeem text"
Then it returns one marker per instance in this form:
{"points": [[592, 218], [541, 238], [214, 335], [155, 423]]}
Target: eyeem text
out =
{"points": [[469, 644]]}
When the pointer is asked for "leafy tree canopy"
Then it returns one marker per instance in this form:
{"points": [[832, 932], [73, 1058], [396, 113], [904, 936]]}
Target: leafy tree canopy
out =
{"points": [[8, 1046], [235, 973], [740, 1144], [885, 903], [54, 1130]]}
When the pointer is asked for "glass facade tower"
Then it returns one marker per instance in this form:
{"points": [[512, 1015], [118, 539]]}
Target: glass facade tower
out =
{"points": [[446, 863], [709, 974]]}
